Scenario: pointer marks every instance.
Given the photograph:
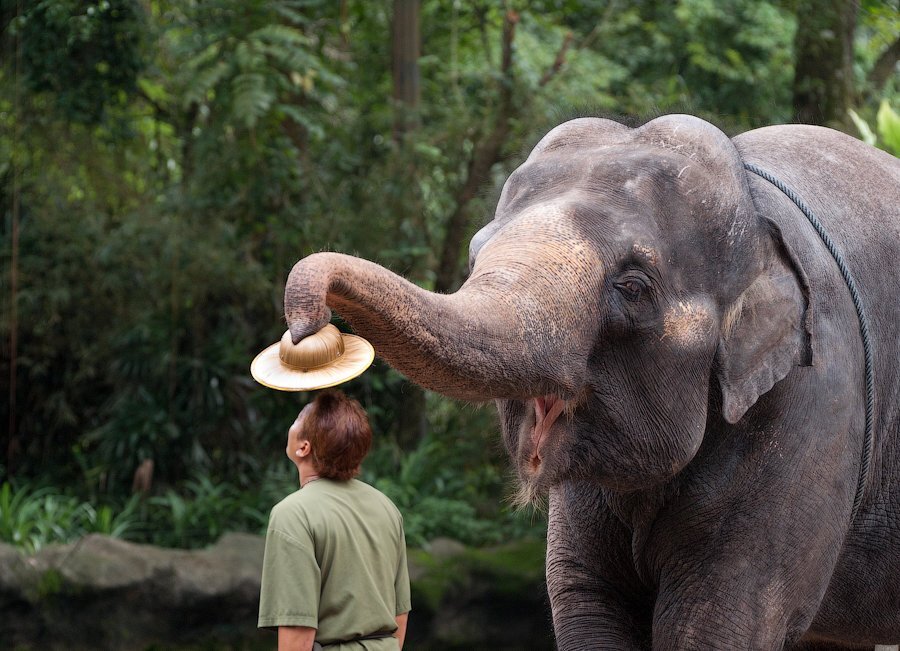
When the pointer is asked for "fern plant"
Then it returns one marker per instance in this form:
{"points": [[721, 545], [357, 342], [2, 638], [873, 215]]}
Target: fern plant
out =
{"points": [[257, 66]]}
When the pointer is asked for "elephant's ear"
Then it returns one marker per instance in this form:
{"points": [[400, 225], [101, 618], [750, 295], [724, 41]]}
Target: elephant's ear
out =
{"points": [[765, 333]]}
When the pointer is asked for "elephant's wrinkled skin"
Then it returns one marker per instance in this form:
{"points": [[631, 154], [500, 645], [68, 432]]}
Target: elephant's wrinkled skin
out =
{"points": [[676, 359]]}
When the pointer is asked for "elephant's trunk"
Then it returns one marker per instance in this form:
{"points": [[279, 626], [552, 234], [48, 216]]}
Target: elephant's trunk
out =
{"points": [[477, 344]]}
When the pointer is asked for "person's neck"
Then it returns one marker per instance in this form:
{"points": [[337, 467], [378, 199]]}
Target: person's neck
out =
{"points": [[305, 479]]}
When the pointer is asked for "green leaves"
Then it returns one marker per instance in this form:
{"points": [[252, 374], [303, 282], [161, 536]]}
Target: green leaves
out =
{"points": [[889, 127], [206, 78], [86, 54], [248, 67], [252, 98], [730, 60], [194, 516], [33, 518], [865, 131]]}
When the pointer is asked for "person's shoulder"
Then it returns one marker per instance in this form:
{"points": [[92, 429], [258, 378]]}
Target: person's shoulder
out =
{"points": [[374, 494], [296, 516], [290, 505], [367, 489]]}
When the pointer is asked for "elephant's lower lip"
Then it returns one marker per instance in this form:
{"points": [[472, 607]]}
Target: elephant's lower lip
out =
{"points": [[547, 410]]}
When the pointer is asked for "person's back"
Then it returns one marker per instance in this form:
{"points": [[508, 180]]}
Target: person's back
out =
{"points": [[335, 563], [356, 537]]}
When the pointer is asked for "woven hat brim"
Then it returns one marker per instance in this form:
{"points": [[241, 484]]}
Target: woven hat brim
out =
{"points": [[268, 370]]}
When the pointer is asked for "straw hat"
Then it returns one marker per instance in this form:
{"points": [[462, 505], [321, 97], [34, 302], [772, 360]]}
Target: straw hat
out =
{"points": [[321, 360]]}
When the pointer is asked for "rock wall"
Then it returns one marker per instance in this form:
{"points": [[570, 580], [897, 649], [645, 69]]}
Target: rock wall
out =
{"points": [[104, 593]]}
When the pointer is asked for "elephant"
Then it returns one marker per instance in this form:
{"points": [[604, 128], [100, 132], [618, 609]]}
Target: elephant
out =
{"points": [[678, 367]]}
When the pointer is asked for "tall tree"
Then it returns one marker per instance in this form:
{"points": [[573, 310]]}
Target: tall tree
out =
{"points": [[12, 444], [823, 69], [406, 45], [406, 42]]}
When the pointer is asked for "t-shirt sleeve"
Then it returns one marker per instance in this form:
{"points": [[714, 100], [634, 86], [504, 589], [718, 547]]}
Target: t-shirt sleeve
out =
{"points": [[401, 583], [291, 579]]}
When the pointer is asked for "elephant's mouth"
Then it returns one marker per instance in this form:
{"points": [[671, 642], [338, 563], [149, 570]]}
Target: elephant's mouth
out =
{"points": [[547, 409]]}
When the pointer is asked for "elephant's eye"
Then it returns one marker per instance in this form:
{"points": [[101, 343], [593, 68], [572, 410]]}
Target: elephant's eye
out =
{"points": [[631, 287]]}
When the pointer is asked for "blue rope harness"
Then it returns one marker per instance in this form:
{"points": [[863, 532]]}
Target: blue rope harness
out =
{"points": [[863, 329]]}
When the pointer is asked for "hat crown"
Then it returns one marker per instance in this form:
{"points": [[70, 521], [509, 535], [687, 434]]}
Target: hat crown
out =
{"points": [[313, 351]]}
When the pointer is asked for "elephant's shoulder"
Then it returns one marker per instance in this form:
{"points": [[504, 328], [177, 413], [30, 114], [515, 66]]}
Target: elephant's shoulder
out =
{"points": [[788, 146]]}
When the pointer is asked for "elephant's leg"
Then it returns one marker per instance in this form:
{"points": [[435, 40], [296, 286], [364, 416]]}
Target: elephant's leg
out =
{"points": [[812, 642], [591, 586], [745, 559], [725, 601], [752, 592], [812, 645], [716, 616]]}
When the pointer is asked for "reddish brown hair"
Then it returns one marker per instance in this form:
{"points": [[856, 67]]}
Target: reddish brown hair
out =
{"points": [[339, 431]]}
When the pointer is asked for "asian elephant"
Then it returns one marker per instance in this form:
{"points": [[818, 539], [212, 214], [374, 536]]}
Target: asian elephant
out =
{"points": [[677, 361]]}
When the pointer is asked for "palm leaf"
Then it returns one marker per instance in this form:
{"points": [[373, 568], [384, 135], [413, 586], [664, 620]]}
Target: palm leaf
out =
{"points": [[252, 99]]}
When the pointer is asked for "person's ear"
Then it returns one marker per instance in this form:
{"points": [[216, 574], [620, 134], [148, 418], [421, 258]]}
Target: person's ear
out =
{"points": [[303, 449]]}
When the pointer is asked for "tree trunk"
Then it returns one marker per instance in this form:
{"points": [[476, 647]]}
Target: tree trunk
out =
{"points": [[823, 54], [405, 65], [13, 445], [884, 67], [412, 419], [412, 423]]}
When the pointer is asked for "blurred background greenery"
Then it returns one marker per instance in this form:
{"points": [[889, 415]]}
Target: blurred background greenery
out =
{"points": [[164, 163]]}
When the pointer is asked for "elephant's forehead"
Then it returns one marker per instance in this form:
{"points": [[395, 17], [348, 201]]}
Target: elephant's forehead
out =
{"points": [[617, 161], [619, 173], [569, 231]]}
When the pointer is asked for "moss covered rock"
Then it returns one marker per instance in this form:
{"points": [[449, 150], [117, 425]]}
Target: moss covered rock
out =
{"points": [[105, 593], [492, 598]]}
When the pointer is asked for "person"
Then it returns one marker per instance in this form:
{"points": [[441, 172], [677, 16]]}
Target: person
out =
{"points": [[334, 572]]}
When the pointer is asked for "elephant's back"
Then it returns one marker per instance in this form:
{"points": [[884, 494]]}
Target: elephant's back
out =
{"points": [[854, 191], [852, 188], [813, 145], [819, 162]]}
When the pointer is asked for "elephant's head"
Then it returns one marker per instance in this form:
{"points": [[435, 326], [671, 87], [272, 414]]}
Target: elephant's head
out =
{"points": [[625, 286]]}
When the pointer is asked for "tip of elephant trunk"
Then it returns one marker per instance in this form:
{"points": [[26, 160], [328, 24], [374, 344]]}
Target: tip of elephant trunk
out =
{"points": [[301, 330]]}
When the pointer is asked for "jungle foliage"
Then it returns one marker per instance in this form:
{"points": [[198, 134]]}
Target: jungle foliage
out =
{"points": [[163, 164]]}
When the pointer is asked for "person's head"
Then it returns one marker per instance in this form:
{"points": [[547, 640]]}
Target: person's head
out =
{"points": [[333, 434]]}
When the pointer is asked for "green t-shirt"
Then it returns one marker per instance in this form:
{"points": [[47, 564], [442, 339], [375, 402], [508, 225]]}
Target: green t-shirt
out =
{"points": [[336, 561]]}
